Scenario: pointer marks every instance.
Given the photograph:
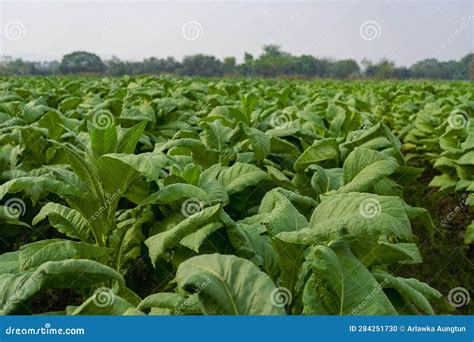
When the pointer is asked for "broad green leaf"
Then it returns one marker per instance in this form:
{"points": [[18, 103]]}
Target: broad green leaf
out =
{"points": [[216, 135], [265, 255], [104, 302], [229, 285], [177, 192], [10, 262], [127, 239], [413, 291], [280, 146], [148, 164], [53, 122], [365, 138], [194, 240], [282, 216], [444, 182], [83, 165], [240, 176], [66, 220], [36, 187], [37, 253], [260, 142], [321, 150], [104, 140], [341, 285], [174, 302], [325, 180], [74, 274], [423, 215], [357, 215], [159, 243], [384, 252], [363, 168], [128, 140]]}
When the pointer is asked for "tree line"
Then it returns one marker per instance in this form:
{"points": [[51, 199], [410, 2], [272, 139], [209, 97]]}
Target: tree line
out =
{"points": [[272, 62]]}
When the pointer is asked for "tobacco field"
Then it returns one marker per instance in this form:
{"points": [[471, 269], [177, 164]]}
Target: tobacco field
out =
{"points": [[186, 196]]}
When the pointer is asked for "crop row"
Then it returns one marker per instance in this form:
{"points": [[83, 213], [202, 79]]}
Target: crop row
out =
{"points": [[185, 196]]}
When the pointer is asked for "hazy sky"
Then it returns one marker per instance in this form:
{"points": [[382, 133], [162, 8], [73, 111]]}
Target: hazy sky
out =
{"points": [[401, 30]]}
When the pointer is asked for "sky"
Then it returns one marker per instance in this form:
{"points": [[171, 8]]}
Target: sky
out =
{"points": [[401, 30]]}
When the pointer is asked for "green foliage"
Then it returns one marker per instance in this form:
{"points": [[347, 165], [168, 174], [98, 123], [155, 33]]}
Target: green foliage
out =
{"points": [[182, 196], [272, 62], [81, 61]]}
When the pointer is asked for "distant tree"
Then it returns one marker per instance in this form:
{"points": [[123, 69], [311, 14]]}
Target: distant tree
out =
{"points": [[152, 65], [267, 67], [228, 65], [201, 65], [431, 68], [247, 69], [81, 61], [369, 68], [344, 68], [272, 62], [45, 68], [170, 65], [273, 51], [248, 58], [116, 67], [382, 70], [158, 66], [323, 67], [402, 73], [366, 64], [465, 67], [10, 66], [305, 65]]}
